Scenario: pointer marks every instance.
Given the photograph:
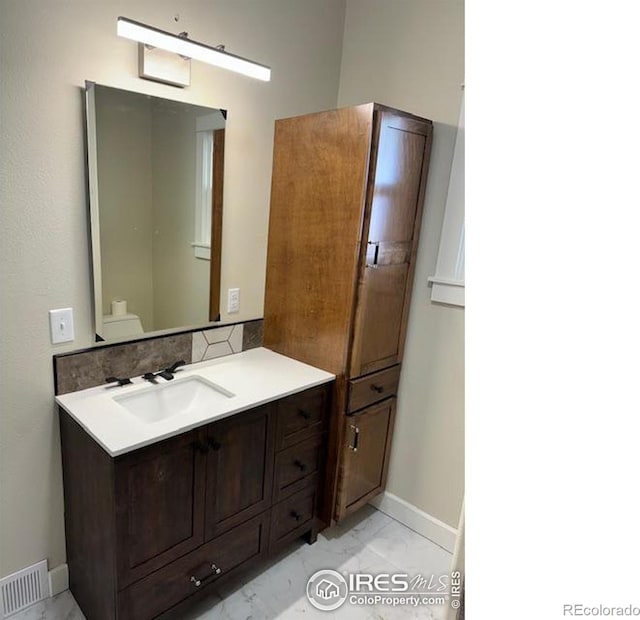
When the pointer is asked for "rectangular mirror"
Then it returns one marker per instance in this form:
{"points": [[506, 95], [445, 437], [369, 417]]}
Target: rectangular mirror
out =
{"points": [[156, 171]]}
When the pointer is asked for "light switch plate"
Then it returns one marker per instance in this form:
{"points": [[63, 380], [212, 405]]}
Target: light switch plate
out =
{"points": [[61, 324]]}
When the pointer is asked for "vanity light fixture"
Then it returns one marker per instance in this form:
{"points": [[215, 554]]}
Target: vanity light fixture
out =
{"points": [[180, 44]]}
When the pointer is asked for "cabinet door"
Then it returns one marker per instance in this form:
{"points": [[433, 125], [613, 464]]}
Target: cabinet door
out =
{"points": [[365, 456], [160, 494], [395, 195], [239, 469], [380, 309], [320, 166]]}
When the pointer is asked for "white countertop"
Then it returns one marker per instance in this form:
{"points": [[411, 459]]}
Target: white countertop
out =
{"points": [[254, 377]]}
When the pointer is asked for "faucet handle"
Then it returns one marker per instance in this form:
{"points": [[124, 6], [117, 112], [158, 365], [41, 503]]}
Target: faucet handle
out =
{"points": [[123, 381], [149, 376]]}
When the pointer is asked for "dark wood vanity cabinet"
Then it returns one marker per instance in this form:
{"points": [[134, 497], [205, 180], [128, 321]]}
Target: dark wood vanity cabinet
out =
{"points": [[299, 465], [159, 501], [239, 469], [149, 529], [347, 195]]}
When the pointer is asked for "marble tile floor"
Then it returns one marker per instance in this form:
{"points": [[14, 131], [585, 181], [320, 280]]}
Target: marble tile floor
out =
{"points": [[368, 541]]}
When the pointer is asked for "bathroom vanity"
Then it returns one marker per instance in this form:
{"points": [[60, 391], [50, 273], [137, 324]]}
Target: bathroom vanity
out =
{"points": [[173, 489], [159, 507]]}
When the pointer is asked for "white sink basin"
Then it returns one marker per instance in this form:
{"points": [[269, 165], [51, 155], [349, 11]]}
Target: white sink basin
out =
{"points": [[192, 395]]}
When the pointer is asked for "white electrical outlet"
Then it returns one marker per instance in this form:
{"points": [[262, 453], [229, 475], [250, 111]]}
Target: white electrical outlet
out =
{"points": [[233, 300], [61, 323]]}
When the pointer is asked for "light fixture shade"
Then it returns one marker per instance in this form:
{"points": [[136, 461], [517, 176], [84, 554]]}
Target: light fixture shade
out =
{"points": [[137, 31]]}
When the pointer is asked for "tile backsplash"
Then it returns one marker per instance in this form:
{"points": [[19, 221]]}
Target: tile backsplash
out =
{"points": [[87, 368], [217, 342]]}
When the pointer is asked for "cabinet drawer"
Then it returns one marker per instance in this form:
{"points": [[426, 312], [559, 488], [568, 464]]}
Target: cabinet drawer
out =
{"points": [[301, 416], [292, 517], [372, 388], [176, 581], [297, 467]]}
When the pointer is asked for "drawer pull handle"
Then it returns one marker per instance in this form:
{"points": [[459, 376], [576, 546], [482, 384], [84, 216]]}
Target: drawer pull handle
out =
{"points": [[214, 445], [377, 388], [216, 570], [304, 414], [300, 465], [356, 438], [297, 516]]}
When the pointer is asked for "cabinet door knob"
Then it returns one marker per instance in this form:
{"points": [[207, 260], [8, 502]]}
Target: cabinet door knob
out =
{"points": [[200, 447], [297, 516], [304, 414], [300, 465], [195, 581], [377, 388], [214, 445], [216, 569]]}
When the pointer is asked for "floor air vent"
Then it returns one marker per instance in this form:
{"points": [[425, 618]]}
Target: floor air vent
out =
{"points": [[24, 588]]}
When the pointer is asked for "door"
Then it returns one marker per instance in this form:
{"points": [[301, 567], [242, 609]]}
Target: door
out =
{"points": [[239, 469], [365, 462], [396, 198], [160, 493], [217, 181]]}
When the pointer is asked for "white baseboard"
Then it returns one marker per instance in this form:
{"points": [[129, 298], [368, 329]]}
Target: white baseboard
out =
{"points": [[59, 579], [416, 519]]}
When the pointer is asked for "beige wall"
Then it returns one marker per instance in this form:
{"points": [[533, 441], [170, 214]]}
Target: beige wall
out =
{"points": [[410, 54], [47, 49]]}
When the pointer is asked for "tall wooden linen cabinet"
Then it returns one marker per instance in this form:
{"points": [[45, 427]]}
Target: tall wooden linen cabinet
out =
{"points": [[347, 194]]}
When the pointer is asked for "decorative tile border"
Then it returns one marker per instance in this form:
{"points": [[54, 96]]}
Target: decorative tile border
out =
{"points": [[217, 342], [79, 370]]}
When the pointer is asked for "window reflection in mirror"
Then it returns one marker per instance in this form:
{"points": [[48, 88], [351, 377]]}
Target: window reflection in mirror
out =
{"points": [[155, 185]]}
